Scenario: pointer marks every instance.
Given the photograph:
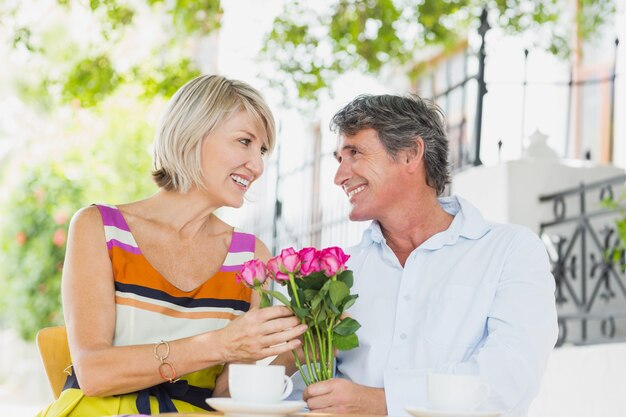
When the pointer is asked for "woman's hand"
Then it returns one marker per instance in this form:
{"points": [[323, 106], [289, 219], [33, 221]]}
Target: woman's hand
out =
{"points": [[260, 333]]}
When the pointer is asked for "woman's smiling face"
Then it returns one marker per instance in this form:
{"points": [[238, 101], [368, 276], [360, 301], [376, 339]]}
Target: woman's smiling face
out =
{"points": [[232, 159]]}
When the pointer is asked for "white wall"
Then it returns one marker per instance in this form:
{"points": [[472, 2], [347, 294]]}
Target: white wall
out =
{"points": [[508, 192], [583, 381]]}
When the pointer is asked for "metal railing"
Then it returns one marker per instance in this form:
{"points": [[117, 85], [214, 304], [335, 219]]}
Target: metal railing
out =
{"points": [[587, 262]]}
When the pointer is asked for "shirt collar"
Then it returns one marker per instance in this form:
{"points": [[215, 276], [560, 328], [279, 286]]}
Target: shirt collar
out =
{"points": [[467, 223]]}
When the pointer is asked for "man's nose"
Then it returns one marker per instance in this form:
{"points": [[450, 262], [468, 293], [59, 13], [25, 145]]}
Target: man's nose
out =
{"points": [[343, 173]]}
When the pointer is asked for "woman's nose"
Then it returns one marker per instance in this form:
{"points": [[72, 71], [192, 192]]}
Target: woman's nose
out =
{"points": [[256, 165]]}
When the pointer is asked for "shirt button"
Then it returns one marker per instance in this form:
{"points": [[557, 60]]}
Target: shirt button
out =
{"points": [[403, 336], [407, 297]]}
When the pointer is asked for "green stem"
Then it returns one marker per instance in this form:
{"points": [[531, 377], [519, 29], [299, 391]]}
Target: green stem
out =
{"points": [[331, 352], [311, 343], [292, 282], [307, 359], [307, 334], [329, 332], [299, 365], [322, 357]]}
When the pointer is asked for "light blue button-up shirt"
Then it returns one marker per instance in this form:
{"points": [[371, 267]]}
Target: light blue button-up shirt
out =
{"points": [[477, 298]]}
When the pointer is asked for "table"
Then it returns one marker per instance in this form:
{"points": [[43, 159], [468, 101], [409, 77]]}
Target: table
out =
{"points": [[217, 414]]}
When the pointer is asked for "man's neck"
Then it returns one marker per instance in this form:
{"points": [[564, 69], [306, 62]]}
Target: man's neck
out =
{"points": [[406, 232]]}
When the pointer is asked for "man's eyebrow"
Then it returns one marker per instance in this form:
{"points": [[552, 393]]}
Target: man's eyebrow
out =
{"points": [[345, 147]]}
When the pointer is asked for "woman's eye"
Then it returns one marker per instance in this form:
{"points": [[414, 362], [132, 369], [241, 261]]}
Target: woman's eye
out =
{"points": [[245, 142], [263, 150]]}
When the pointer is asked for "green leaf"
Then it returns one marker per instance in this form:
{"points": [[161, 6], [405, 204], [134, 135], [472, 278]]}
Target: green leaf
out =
{"points": [[321, 318], [347, 326], [316, 301], [334, 310], [326, 287], [309, 295], [346, 277], [279, 296], [300, 312], [345, 342], [350, 302], [314, 281], [338, 291]]}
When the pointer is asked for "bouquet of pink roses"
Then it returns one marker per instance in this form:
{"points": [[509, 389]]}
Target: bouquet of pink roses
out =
{"points": [[318, 284]]}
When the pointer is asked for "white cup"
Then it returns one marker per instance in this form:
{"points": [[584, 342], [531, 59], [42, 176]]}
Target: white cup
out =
{"points": [[456, 392], [258, 383]]}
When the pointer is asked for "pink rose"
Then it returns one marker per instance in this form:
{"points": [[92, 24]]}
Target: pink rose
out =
{"points": [[290, 260], [250, 271], [273, 266], [310, 262], [333, 260], [59, 237]]}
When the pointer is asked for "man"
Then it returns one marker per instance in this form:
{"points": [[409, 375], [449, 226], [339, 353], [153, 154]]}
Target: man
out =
{"points": [[440, 289]]}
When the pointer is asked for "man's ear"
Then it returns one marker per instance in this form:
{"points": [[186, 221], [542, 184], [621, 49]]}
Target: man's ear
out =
{"points": [[414, 157]]}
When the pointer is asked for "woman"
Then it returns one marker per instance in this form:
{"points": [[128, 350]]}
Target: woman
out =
{"points": [[149, 289]]}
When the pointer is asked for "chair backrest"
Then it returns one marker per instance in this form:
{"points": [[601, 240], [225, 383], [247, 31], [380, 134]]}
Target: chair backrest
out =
{"points": [[55, 354]]}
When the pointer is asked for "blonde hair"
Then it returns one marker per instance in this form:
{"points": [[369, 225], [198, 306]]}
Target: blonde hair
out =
{"points": [[192, 113]]}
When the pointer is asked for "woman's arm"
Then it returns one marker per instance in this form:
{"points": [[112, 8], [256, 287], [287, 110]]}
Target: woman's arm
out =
{"points": [[89, 308]]}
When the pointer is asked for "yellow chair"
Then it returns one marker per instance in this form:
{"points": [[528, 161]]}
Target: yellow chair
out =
{"points": [[55, 354]]}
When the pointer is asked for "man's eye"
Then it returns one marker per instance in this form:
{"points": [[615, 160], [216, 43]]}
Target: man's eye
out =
{"points": [[353, 152]]}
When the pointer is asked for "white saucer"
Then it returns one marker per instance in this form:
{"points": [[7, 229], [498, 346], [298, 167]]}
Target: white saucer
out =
{"points": [[234, 408], [428, 412]]}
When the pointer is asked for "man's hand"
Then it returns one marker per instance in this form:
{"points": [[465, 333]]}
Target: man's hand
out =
{"points": [[345, 397]]}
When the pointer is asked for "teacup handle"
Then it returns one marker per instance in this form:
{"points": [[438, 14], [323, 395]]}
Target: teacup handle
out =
{"points": [[288, 387], [486, 390]]}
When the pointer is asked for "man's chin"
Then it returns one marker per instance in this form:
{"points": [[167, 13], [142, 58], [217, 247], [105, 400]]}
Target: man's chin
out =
{"points": [[355, 216]]}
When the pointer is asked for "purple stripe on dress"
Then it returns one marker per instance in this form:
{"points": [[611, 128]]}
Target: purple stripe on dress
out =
{"points": [[112, 217], [230, 268], [123, 246], [242, 242]]}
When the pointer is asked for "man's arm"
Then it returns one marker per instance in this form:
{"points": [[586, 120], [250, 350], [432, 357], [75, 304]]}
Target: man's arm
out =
{"points": [[522, 327]]}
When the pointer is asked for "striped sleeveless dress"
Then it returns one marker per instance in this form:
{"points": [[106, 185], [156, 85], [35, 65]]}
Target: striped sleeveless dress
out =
{"points": [[149, 309]]}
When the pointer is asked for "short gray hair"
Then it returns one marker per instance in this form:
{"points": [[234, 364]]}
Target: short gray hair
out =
{"points": [[399, 121], [192, 113]]}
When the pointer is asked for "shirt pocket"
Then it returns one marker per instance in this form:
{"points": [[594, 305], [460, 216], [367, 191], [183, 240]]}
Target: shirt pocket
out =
{"points": [[456, 316]]}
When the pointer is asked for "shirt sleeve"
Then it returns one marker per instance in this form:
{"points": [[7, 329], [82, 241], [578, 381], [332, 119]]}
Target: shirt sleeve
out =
{"points": [[521, 332], [522, 327]]}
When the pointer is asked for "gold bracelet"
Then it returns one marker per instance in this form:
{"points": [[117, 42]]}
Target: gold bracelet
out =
{"points": [[165, 365]]}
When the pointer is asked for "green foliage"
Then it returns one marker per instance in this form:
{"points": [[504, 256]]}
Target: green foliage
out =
{"points": [[618, 253], [112, 166], [90, 81], [87, 75], [311, 48], [167, 79], [34, 230], [195, 16]]}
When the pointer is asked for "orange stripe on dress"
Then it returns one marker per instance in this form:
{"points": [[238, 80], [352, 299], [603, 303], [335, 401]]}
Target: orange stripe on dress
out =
{"points": [[130, 268], [142, 305]]}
